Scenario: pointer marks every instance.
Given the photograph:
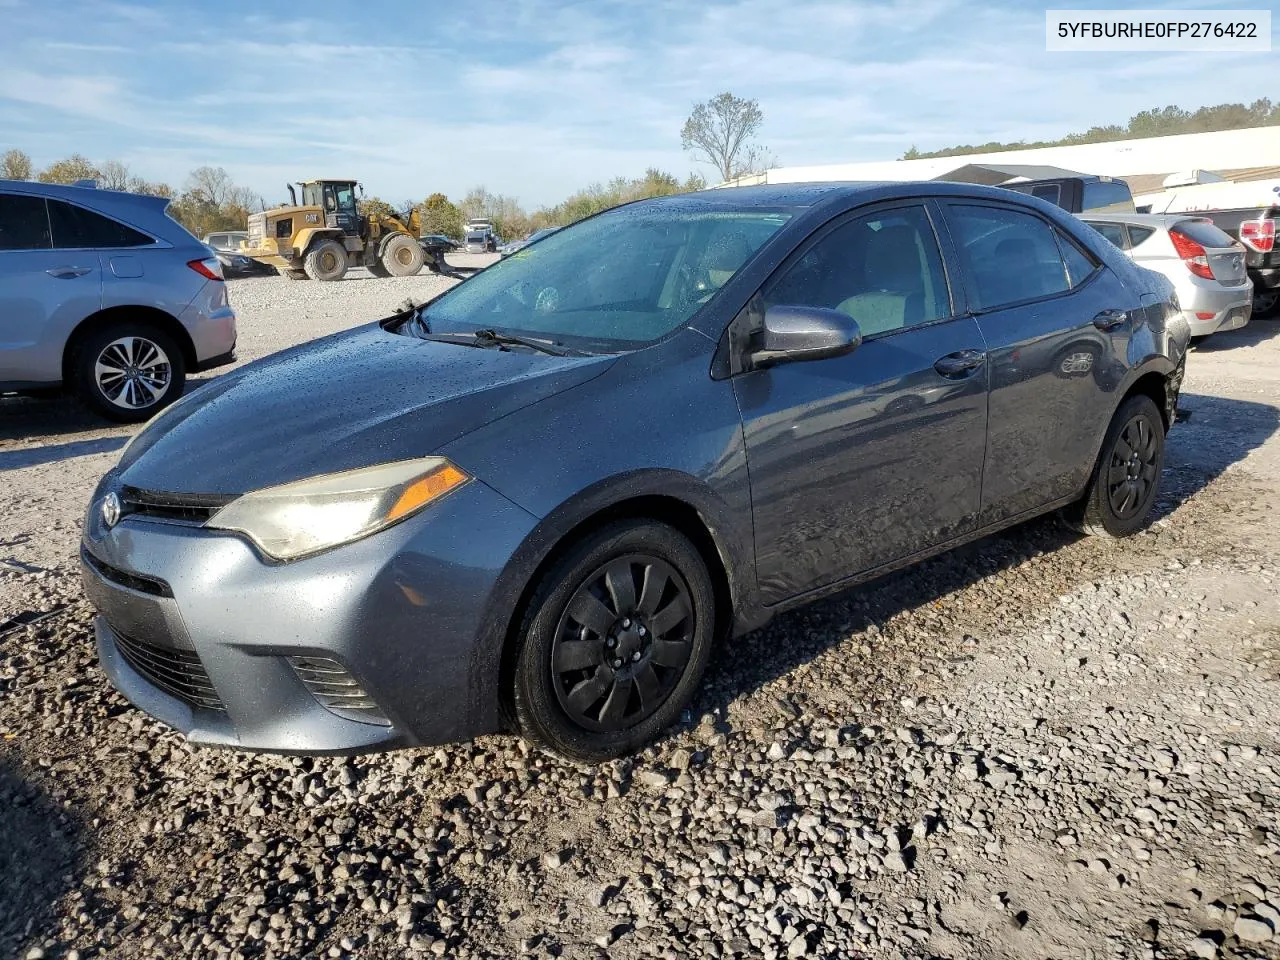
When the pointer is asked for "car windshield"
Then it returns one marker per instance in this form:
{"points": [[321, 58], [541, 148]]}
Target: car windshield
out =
{"points": [[623, 278]]}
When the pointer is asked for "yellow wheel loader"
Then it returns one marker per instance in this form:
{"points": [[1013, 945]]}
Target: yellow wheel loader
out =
{"points": [[325, 235]]}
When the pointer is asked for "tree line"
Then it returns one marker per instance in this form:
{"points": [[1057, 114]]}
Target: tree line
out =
{"points": [[718, 132], [1157, 122]]}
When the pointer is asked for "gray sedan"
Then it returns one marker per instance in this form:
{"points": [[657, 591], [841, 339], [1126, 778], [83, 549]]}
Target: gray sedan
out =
{"points": [[535, 502]]}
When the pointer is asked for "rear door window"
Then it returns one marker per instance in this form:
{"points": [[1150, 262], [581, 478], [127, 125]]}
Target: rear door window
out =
{"points": [[75, 228], [24, 223], [1010, 256]]}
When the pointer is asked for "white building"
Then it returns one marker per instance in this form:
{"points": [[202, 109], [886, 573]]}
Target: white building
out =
{"points": [[1248, 154]]}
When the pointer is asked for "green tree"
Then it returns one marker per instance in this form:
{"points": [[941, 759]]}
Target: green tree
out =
{"points": [[441, 215], [74, 168], [719, 132], [378, 206], [15, 165]]}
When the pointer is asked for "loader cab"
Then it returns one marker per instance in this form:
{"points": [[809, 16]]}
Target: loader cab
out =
{"points": [[337, 198]]}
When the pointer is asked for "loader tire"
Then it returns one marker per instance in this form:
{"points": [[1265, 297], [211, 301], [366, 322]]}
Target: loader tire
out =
{"points": [[402, 256], [327, 260]]}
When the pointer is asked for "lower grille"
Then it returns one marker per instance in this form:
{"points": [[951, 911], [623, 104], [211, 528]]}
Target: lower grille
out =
{"points": [[177, 672], [337, 690]]}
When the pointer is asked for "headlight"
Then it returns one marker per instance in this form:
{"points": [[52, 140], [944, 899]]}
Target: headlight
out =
{"points": [[307, 516]]}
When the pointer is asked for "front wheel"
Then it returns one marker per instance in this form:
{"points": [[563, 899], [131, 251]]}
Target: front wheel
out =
{"points": [[614, 642], [1126, 478], [402, 256], [326, 260], [128, 371]]}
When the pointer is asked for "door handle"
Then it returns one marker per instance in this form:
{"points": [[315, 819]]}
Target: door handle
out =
{"points": [[1110, 319], [962, 363], [67, 273]]}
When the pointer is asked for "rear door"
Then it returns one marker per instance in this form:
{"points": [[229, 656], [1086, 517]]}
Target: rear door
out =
{"points": [[1057, 324], [44, 292], [864, 459]]}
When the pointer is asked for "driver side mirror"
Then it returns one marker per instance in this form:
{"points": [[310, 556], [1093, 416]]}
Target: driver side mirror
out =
{"points": [[805, 333]]}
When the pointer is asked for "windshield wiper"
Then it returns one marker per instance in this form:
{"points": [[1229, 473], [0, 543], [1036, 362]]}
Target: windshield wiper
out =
{"points": [[507, 339]]}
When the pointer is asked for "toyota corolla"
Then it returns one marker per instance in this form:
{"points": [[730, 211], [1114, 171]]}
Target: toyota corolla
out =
{"points": [[535, 502]]}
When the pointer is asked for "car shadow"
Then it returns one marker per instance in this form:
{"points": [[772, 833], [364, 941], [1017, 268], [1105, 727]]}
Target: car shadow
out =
{"points": [[1258, 331], [1220, 433], [41, 861], [35, 456]]}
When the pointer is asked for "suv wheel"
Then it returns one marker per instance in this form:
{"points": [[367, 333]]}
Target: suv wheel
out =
{"points": [[1127, 476], [614, 642], [128, 371]]}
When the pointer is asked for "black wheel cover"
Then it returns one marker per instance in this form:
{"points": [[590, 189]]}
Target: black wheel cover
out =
{"points": [[622, 643], [1131, 469]]}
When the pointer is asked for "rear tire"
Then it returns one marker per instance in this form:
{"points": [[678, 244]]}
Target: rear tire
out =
{"points": [[1126, 478], [327, 260], [1266, 304], [128, 371], [402, 256], [625, 619]]}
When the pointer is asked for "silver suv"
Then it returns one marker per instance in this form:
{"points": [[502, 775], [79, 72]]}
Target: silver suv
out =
{"points": [[102, 293]]}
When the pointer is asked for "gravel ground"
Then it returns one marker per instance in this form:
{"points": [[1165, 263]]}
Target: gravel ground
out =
{"points": [[1037, 746]]}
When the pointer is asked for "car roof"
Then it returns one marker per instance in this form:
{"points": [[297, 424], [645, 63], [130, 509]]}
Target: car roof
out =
{"points": [[140, 210]]}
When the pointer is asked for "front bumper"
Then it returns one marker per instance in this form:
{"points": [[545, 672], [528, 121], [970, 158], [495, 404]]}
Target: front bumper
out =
{"points": [[404, 611]]}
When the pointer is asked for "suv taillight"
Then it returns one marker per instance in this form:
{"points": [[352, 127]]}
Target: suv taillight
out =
{"points": [[210, 268], [1192, 254], [1259, 234]]}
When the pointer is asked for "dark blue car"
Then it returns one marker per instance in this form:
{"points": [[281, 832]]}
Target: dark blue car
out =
{"points": [[537, 501]]}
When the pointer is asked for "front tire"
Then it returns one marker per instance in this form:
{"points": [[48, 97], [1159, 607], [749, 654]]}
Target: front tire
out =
{"points": [[327, 260], [1126, 478], [128, 371], [614, 642], [402, 256]]}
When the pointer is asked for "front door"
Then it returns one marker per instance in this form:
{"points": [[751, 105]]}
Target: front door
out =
{"points": [[860, 460]]}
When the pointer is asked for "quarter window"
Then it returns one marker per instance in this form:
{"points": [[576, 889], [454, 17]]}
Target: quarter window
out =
{"points": [[1080, 265], [1010, 256], [1113, 232], [884, 270], [77, 228], [24, 223]]}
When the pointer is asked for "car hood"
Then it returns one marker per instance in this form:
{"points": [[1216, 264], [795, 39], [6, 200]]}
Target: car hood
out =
{"points": [[351, 400]]}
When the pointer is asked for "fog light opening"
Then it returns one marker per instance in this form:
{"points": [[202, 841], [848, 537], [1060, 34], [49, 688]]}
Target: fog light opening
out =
{"points": [[337, 690]]}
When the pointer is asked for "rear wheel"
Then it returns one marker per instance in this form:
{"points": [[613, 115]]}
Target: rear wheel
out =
{"points": [[128, 371], [1266, 303], [402, 256], [1126, 478], [327, 260], [614, 642]]}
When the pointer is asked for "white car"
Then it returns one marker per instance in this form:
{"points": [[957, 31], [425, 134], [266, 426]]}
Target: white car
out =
{"points": [[1206, 266]]}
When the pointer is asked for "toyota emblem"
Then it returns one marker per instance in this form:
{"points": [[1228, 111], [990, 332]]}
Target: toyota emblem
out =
{"points": [[110, 510]]}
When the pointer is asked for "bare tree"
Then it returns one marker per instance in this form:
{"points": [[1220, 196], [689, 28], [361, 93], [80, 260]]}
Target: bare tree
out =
{"points": [[113, 175], [15, 165], [719, 132], [213, 185]]}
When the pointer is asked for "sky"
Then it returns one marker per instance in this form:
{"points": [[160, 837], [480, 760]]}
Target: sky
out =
{"points": [[536, 98]]}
